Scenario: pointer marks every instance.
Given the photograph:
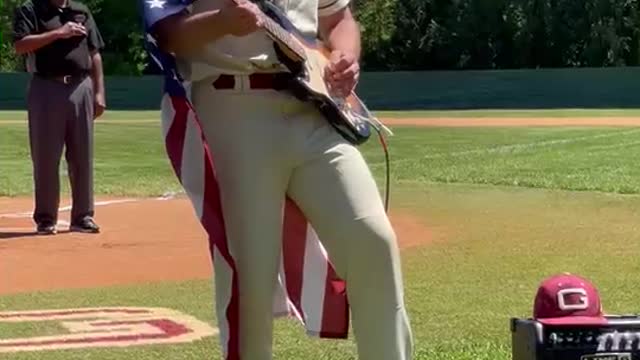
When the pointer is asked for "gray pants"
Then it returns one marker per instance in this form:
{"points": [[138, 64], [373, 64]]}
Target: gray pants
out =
{"points": [[61, 115]]}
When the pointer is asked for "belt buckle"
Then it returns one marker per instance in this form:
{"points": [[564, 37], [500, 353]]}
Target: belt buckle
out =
{"points": [[66, 79]]}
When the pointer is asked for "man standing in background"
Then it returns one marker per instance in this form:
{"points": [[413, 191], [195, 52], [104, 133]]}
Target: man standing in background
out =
{"points": [[66, 93]]}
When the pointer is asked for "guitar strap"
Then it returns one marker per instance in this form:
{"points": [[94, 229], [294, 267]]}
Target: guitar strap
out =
{"points": [[262, 3]]}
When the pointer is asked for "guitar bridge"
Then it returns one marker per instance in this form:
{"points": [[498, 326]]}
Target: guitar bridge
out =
{"points": [[359, 118]]}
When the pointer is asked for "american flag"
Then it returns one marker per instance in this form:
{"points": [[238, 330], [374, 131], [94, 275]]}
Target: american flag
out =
{"points": [[308, 286]]}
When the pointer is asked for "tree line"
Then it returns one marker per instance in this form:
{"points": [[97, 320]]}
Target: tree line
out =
{"points": [[426, 34]]}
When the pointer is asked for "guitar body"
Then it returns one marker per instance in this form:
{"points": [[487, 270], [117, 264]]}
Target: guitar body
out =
{"points": [[349, 116]]}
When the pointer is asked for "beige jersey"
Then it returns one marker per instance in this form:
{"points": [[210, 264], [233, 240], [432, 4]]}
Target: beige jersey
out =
{"points": [[254, 52]]}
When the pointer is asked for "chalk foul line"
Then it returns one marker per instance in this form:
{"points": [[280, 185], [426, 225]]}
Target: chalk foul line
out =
{"points": [[29, 214]]}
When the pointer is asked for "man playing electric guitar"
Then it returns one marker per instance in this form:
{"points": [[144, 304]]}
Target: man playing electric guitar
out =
{"points": [[268, 145]]}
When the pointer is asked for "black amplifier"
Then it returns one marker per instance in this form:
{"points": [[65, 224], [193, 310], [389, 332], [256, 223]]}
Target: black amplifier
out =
{"points": [[618, 339]]}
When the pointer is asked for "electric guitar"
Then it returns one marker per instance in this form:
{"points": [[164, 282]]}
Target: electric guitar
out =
{"points": [[306, 58]]}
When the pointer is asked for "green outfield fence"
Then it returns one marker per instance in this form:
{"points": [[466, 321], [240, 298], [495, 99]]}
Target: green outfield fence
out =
{"points": [[509, 89]]}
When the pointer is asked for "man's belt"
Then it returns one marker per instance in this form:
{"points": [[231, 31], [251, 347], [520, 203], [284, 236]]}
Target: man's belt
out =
{"points": [[65, 79], [257, 81]]}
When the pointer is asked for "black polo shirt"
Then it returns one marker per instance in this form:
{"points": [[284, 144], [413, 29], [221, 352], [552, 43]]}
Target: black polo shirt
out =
{"points": [[64, 56]]}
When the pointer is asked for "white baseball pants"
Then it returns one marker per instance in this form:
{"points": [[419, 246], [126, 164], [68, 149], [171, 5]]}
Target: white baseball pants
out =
{"points": [[268, 144]]}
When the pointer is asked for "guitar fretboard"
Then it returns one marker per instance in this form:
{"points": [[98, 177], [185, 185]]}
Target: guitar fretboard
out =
{"points": [[282, 35]]}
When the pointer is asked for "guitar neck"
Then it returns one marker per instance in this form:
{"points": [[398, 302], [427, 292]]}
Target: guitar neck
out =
{"points": [[279, 34], [283, 36]]}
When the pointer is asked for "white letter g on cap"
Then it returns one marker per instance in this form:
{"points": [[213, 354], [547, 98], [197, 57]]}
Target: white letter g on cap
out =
{"points": [[582, 302]]}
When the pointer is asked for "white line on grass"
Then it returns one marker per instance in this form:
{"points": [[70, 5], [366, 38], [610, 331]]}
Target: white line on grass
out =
{"points": [[104, 122], [615, 146], [23, 215], [20, 215], [514, 148]]}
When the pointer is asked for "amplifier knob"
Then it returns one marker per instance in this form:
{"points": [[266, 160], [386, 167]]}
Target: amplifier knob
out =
{"points": [[608, 343], [589, 339], [627, 339], [635, 341]]}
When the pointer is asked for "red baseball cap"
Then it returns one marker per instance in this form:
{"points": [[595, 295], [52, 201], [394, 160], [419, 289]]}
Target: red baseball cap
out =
{"points": [[568, 299]]}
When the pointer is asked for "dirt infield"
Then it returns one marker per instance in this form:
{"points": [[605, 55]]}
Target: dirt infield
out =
{"points": [[514, 121], [142, 241]]}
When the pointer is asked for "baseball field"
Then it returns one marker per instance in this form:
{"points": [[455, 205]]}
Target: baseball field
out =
{"points": [[485, 203]]}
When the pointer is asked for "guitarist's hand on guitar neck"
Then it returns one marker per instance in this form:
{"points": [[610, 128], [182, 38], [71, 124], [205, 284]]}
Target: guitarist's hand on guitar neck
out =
{"points": [[241, 17], [343, 73]]}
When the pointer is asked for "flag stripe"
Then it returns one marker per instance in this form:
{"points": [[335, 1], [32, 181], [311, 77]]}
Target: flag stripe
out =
{"points": [[193, 164], [315, 276], [214, 225], [335, 313], [167, 114], [294, 242], [188, 138], [223, 278], [175, 136]]}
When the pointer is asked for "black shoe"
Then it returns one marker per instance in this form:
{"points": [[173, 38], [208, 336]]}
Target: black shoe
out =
{"points": [[47, 229], [85, 226]]}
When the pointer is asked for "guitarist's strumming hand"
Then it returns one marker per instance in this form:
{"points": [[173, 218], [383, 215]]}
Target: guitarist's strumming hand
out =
{"points": [[343, 73], [241, 17]]}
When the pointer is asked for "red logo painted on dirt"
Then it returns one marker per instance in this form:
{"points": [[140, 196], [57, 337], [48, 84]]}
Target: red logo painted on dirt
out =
{"points": [[106, 327]]}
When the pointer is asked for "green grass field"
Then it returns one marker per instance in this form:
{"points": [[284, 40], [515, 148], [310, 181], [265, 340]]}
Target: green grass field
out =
{"points": [[507, 207], [130, 158]]}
